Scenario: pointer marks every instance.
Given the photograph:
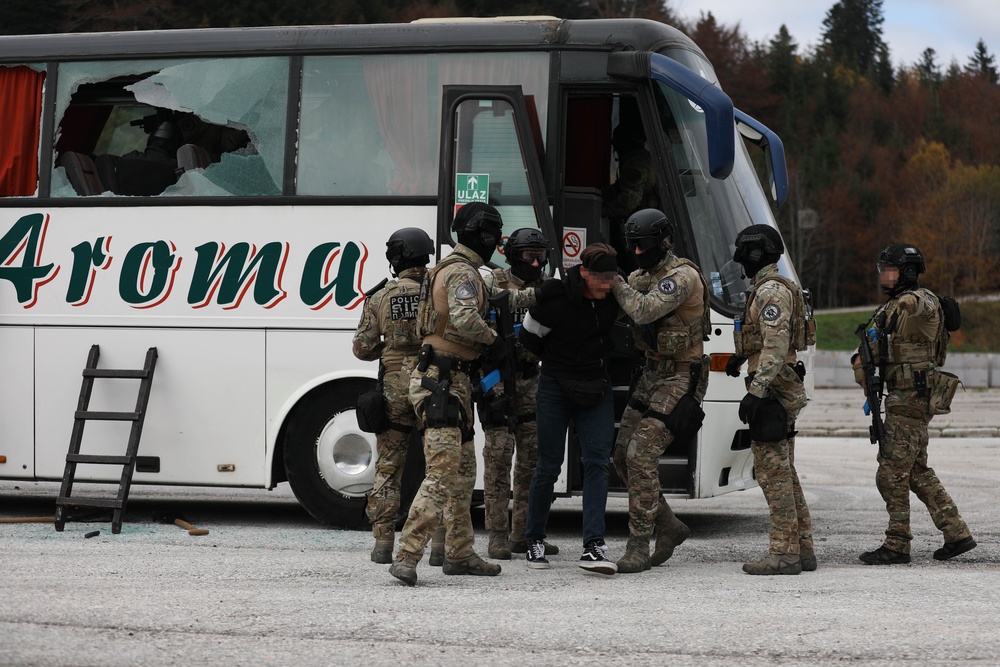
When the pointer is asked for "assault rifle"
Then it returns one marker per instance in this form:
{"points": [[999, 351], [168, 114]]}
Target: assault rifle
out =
{"points": [[372, 291], [875, 372], [506, 370]]}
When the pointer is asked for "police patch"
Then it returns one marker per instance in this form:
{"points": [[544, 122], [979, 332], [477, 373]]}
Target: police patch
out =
{"points": [[771, 312], [667, 286], [403, 307], [465, 291]]}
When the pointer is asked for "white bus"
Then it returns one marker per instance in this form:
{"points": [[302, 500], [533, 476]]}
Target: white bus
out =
{"points": [[225, 196]]}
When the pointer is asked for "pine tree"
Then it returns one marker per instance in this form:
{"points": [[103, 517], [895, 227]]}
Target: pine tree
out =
{"points": [[853, 35], [982, 63]]}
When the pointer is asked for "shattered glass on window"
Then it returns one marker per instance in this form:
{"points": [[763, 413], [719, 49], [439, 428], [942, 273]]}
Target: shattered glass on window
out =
{"points": [[213, 127]]}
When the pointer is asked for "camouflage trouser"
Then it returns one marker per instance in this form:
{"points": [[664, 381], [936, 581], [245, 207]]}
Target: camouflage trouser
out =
{"points": [[774, 465], [446, 492], [498, 453], [640, 442], [383, 499], [902, 467]]}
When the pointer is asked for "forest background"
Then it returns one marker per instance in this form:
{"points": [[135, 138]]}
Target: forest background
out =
{"points": [[876, 154]]}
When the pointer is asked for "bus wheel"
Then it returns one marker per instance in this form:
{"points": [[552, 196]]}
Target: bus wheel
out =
{"points": [[329, 461]]}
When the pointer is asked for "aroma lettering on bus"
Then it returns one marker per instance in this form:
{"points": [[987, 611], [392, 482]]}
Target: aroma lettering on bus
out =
{"points": [[220, 274]]}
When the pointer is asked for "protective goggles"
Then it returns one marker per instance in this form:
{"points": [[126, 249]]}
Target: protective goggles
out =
{"points": [[529, 255]]}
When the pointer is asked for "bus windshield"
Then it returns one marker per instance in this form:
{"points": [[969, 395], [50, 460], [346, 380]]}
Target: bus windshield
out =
{"points": [[717, 209]]}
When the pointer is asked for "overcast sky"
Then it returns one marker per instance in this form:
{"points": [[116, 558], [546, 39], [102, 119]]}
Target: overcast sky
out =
{"points": [[950, 27]]}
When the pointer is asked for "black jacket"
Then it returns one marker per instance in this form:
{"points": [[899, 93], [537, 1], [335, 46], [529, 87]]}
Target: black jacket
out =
{"points": [[570, 333]]}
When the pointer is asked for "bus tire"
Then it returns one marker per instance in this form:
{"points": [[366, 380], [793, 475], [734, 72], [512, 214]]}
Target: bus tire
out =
{"points": [[329, 461]]}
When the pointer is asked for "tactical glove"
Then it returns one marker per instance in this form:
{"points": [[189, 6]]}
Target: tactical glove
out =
{"points": [[733, 365], [550, 288]]}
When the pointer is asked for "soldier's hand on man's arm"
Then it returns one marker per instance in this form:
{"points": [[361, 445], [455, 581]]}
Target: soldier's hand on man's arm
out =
{"points": [[549, 289]]}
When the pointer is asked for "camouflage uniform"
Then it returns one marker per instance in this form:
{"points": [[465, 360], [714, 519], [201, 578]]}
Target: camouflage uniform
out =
{"points": [[388, 332], [633, 190], [501, 444], [772, 329], [918, 347], [452, 316], [669, 308]]}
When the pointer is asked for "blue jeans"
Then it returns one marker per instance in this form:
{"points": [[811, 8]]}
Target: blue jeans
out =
{"points": [[595, 428]]}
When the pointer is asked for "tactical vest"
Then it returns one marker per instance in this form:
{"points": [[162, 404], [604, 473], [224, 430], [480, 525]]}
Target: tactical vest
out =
{"points": [[401, 325], [906, 355], [431, 322], [501, 280], [672, 335], [749, 338]]}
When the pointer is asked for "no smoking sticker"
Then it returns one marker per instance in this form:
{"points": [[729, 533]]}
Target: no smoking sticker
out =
{"points": [[573, 242]]}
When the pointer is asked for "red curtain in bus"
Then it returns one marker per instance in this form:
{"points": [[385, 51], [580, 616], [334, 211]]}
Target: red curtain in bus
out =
{"points": [[21, 110]]}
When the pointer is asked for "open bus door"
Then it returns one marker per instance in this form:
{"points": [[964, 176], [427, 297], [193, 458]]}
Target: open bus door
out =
{"points": [[491, 144]]}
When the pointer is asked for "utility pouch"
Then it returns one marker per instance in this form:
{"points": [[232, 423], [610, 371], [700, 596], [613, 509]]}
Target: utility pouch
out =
{"points": [[424, 357], [942, 390], [770, 423], [952, 313], [686, 419], [492, 411], [371, 411]]}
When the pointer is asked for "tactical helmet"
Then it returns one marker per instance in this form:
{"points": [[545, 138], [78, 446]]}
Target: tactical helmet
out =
{"points": [[526, 238], [479, 227], [905, 257], [758, 245], [646, 228], [523, 248], [649, 235], [410, 246]]}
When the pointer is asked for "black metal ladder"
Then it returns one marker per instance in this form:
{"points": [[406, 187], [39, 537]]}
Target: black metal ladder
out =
{"points": [[65, 502]]}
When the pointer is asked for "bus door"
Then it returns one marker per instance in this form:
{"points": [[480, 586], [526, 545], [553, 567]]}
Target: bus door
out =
{"points": [[491, 147]]}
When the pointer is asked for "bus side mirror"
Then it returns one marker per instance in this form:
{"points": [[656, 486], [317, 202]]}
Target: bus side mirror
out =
{"points": [[774, 153]]}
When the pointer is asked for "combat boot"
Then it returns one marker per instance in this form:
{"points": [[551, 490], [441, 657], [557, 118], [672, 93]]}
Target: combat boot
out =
{"points": [[636, 558], [472, 564], [951, 549], [405, 569], [382, 553], [884, 556], [775, 564], [498, 549], [670, 533], [437, 548], [807, 557]]}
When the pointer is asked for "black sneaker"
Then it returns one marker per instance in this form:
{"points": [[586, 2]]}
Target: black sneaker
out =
{"points": [[884, 556], [595, 559], [536, 555], [951, 549]]}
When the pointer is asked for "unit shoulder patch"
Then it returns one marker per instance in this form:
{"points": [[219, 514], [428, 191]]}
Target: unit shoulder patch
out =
{"points": [[667, 286], [466, 291], [770, 312]]}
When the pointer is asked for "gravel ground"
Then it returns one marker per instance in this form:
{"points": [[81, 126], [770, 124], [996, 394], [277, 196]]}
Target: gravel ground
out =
{"points": [[270, 586]]}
